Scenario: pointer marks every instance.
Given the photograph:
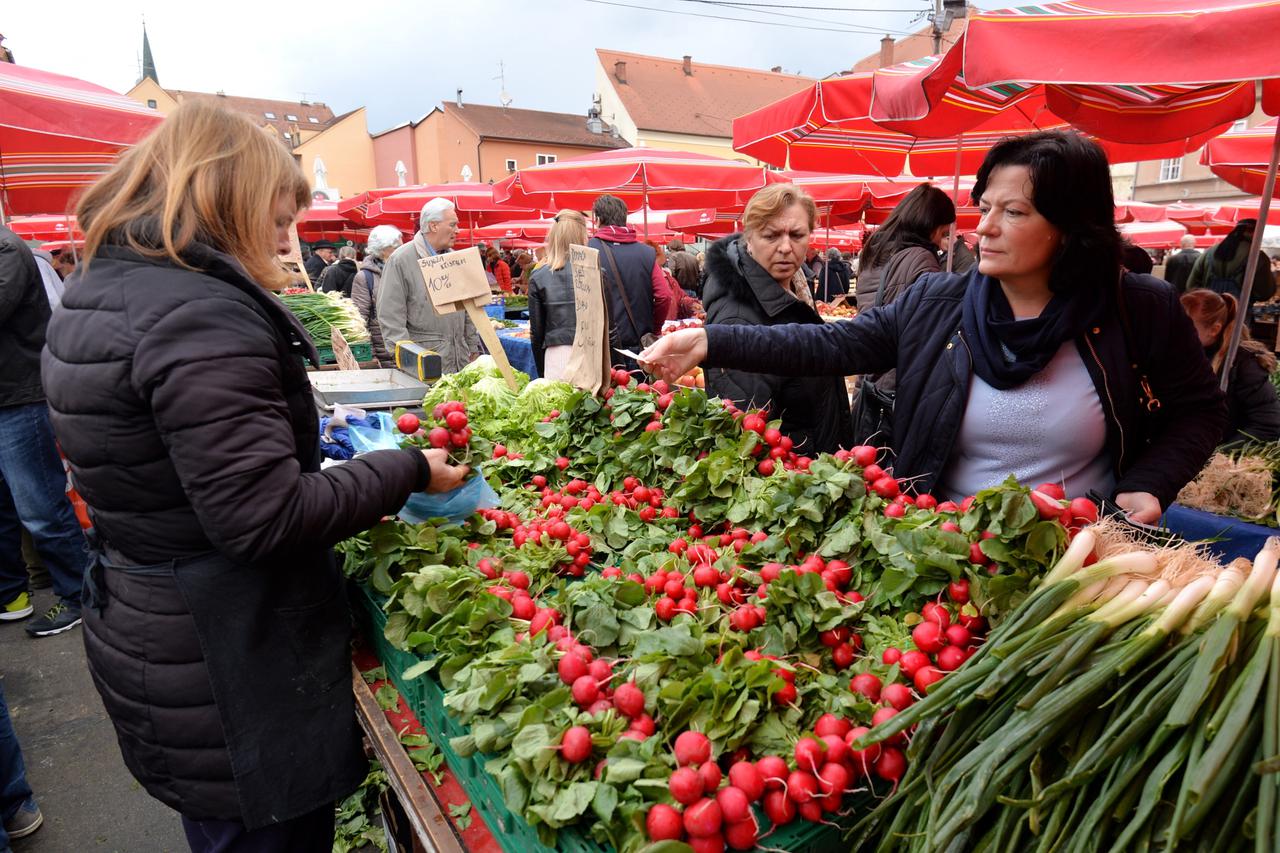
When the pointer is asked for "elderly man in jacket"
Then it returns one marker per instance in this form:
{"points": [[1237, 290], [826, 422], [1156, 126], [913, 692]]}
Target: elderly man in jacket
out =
{"points": [[405, 311]]}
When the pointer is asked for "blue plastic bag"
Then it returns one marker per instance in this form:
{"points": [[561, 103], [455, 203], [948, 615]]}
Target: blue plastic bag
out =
{"points": [[457, 505]]}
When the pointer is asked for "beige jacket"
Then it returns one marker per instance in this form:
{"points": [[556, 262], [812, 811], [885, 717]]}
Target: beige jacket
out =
{"points": [[405, 311]]}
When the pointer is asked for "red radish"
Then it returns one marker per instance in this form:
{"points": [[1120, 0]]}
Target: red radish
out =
{"points": [[685, 785], [842, 656], [926, 677], [745, 777], [786, 696], [599, 706], [950, 527], [883, 714], [692, 748], [834, 637], [809, 753], [834, 778], [455, 420], [871, 473], [1083, 511], [897, 696], [633, 734], [864, 455], [830, 724], [522, 607], [779, 808], [575, 744], [891, 765], [629, 699], [895, 511], [1047, 506], [868, 684], [1053, 490], [837, 749], [545, 618], [801, 786], [585, 691], [936, 613], [976, 555], [773, 770], [408, 423], [890, 656], [886, 487], [438, 437], [703, 818], [928, 637], [743, 835], [664, 823], [644, 723], [711, 776], [713, 843], [861, 758], [948, 506], [811, 811], [926, 502], [951, 658], [958, 635], [735, 805], [665, 608], [571, 668], [601, 671], [766, 467], [958, 591], [912, 661]]}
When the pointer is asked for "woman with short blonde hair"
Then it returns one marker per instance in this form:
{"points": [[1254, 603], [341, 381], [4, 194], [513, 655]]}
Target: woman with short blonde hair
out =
{"points": [[215, 625], [552, 317]]}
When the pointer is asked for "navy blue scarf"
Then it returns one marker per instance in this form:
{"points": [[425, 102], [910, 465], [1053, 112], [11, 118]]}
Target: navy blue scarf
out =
{"points": [[1008, 352]]}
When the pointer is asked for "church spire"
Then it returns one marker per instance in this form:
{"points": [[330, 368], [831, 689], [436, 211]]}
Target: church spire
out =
{"points": [[148, 64]]}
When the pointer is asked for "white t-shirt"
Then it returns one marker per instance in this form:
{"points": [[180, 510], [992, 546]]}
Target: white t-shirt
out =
{"points": [[1049, 429]]}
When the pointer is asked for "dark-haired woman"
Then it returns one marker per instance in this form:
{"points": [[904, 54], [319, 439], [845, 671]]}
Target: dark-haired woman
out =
{"points": [[1026, 364], [1253, 409], [905, 247]]}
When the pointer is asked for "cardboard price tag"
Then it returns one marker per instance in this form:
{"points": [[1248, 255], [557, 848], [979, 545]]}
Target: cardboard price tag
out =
{"points": [[342, 350], [588, 366], [454, 277]]}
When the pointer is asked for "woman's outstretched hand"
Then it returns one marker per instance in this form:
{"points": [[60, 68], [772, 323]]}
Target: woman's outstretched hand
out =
{"points": [[1142, 507], [674, 355], [444, 477]]}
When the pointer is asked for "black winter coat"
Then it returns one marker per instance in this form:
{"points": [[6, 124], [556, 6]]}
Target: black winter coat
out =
{"points": [[739, 292], [1178, 266], [182, 402], [552, 317], [337, 277], [635, 292], [920, 335], [24, 314], [1253, 410]]}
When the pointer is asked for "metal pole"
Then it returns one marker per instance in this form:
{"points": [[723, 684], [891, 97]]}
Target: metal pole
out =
{"points": [[1251, 268], [955, 197]]}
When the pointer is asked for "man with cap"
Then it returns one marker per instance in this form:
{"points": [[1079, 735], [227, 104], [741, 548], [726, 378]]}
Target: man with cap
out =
{"points": [[321, 257]]}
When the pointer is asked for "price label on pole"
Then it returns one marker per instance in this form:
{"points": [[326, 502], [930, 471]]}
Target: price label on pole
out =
{"points": [[457, 280]]}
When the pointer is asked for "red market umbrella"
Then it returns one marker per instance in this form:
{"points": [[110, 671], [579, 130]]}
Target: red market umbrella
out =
{"points": [[58, 135], [1240, 157], [709, 222], [1158, 234], [1198, 218], [474, 202], [46, 227], [641, 177], [1139, 211], [1105, 51], [355, 208], [527, 229]]}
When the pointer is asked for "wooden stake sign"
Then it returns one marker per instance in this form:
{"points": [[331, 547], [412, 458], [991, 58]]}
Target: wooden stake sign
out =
{"points": [[342, 350], [589, 363], [457, 280], [293, 260]]}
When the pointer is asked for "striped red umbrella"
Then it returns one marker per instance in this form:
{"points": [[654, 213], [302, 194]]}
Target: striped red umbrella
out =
{"points": [[58, 135], [474, 202], [46, 226]]}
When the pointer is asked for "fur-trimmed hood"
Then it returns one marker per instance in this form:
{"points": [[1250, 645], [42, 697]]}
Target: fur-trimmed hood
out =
{"points": [[734, 276]]}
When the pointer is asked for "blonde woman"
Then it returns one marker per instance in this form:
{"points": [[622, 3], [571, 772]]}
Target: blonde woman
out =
{"points": [[216, 628], [552, 318]]}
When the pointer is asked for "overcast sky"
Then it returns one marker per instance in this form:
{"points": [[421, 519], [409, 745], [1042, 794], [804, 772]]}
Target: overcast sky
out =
{"points": [[399, 59]]}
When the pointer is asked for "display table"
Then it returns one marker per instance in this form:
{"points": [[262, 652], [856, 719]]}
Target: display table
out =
{"points": [[1226, 538], [519, 349]]}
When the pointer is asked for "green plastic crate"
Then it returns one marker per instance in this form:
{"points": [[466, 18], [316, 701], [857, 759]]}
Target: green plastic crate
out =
{"points": [[362, 352], [425, 698]]}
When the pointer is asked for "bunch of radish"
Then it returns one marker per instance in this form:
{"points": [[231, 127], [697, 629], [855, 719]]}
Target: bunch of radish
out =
{"points": [[448, 429], [775, 448]]}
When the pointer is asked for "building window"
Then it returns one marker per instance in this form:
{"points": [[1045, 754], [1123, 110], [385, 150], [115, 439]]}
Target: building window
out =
{"points": [[1240, 124], [291, 117], [151, 102], [313, 119], [544, 159], [270, 115], [511, 165], [288, 136], [1171, 170]]}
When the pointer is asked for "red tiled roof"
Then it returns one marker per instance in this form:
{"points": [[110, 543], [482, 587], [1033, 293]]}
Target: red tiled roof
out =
{"points": [[257, 109], [660, 96], [532, 126], [915, 46]]}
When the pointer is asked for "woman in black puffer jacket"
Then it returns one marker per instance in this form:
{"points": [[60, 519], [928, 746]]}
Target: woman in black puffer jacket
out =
{"points": [[1253, 410], [216, 628], [552, 318], [755, 279]]}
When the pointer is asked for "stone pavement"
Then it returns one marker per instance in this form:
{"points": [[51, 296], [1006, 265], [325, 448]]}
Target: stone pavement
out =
{"points": [[90, 802]]}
